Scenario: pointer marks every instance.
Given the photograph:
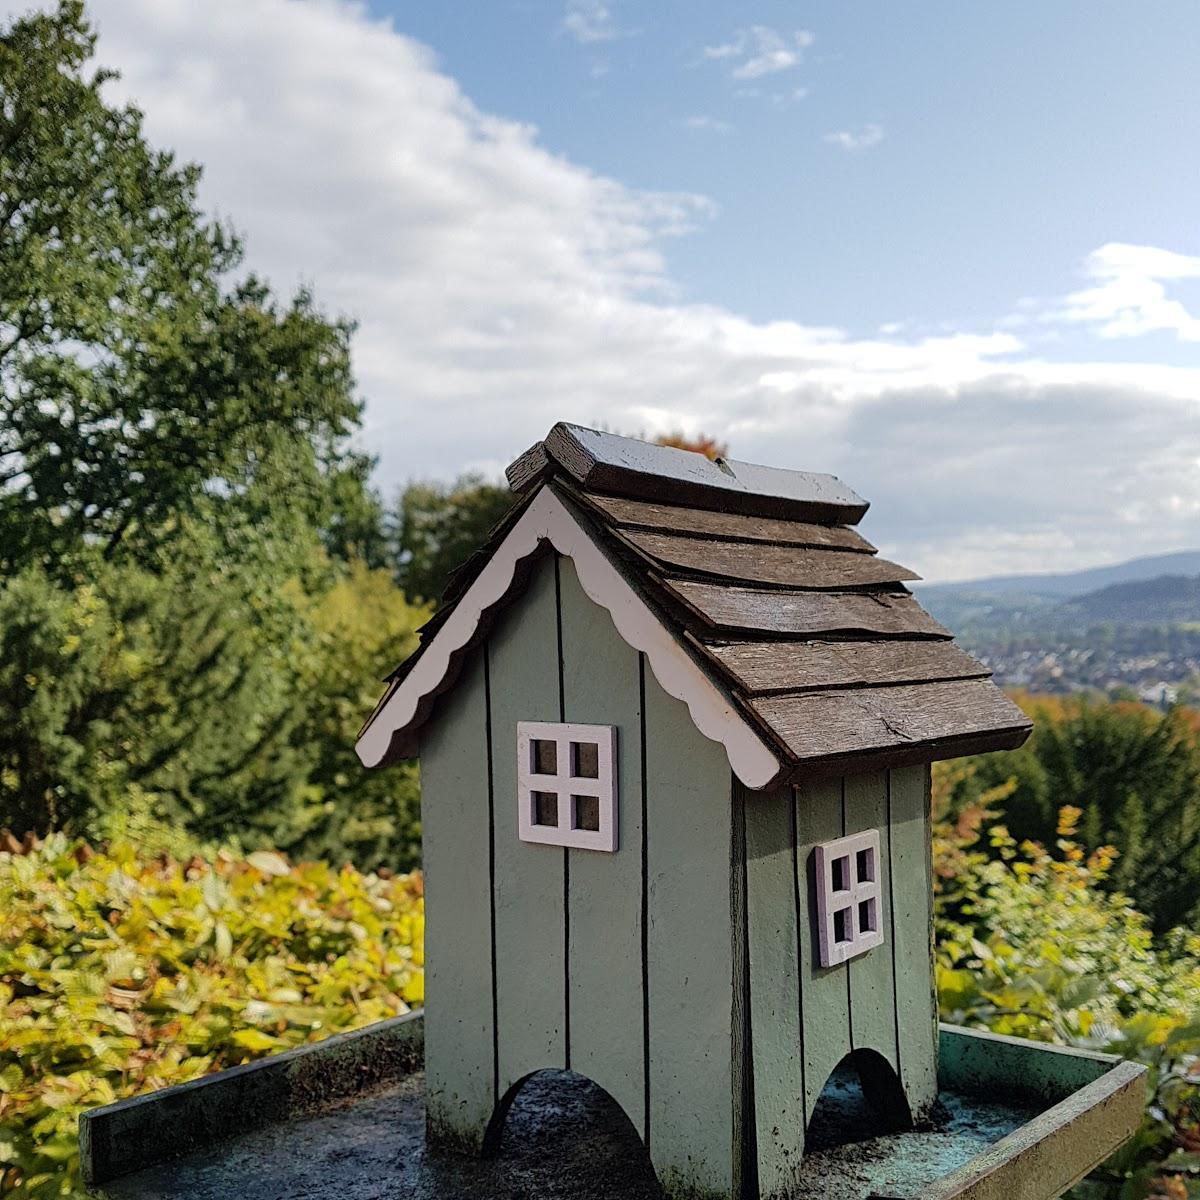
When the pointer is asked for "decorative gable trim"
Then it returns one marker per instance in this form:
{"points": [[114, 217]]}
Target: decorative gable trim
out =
{"points": [[549, 519]]}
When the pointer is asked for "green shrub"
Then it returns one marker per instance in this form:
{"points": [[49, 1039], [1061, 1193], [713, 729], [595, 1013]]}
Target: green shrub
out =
{"points": [[218, 698], [1134, 774], [121, 973], [1030, 944]]}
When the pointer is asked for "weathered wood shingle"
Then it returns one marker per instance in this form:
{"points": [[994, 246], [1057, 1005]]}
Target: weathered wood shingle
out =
{"points": [[607, 463], [737, 527], [759, 576]]}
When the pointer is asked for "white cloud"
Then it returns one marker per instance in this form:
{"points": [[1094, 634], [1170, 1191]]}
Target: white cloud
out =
{"points": [[500, 288], [856, 139], [710, 124], [1129, 297], [590, 21], [760, 50]]}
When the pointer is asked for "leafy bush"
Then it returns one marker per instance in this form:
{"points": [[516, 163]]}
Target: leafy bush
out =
{"points": [[216, 696], [1134, 774], [1029, 944], [121, 973]]}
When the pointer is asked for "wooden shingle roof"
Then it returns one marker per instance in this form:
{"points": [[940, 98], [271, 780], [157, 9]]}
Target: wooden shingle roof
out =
{"points": [[812, 654]]}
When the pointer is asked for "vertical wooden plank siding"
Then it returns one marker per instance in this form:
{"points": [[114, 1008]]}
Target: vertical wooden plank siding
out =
{"points": [[911, 934], [681, 973], [872, 981], [600, 676], [745, 1138], [458, 940], [775, 1001], [528, 886], [826, 994], [690, 952]]}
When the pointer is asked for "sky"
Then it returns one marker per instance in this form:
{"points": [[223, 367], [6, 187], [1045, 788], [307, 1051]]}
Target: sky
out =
{"points": [[948, 252]]}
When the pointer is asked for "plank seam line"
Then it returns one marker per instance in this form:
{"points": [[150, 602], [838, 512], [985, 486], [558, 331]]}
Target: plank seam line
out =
{"points": [[562, 716], [794, 798], [748, 1148], [487, 702], [846, 966], [645, 903], [892, 924]]}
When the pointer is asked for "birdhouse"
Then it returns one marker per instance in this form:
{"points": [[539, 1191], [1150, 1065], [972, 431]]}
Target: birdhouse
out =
{"points": [[675, 725]]}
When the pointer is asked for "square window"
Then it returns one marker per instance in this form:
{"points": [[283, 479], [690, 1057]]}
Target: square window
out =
{"points": [[865, 863], [545, 756], [850, 914], [585, 760], [585, 813], [841, 874], [567, 785], [545, 808], [841, 926]]}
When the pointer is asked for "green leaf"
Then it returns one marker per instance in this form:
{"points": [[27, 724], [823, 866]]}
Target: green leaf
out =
{"points": [[255, 1039], [1183, 1160]]}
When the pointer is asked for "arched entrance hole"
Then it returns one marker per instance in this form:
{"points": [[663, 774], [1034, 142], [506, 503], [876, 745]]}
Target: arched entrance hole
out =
{"points": [[861, 1099], [562, 1121]]}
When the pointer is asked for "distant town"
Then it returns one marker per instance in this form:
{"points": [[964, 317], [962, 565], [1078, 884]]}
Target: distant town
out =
{"points": [[1160, 666], [1131, 630]]}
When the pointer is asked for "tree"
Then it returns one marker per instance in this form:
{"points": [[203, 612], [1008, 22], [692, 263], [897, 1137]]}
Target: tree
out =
{"points": [[439, 526], [211, 697], [188, 631], [363, 626], [172, 692], [700, 443], [1135, 776], [137, 385]]}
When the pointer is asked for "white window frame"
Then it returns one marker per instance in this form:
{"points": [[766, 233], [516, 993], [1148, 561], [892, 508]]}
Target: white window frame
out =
{"points": [[831, 901], [563, 785]]}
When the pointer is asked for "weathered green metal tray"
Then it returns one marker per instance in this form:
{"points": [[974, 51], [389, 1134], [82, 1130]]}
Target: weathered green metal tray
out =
{"points": [[344, 1120]]}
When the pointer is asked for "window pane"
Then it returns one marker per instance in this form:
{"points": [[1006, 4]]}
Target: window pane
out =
{"points": [[866, 916], [545, 757], [841, 926], [841, 874], [866, 866], [585, 760], [586, 810], [545, 806]]}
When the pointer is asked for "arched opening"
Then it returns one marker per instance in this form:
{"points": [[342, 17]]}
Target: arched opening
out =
{"points": [[561, 1124], [862, 1099]]}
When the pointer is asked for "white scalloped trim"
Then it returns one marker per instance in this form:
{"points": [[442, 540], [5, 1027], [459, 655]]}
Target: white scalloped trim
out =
{"points": [[548, 519]]}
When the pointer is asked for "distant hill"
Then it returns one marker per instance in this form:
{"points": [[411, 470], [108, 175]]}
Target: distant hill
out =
{"points": [[1162, 588], [1167, 600], [1076, 583]]}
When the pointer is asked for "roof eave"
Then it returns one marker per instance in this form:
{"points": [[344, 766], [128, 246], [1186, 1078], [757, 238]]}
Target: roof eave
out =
{"points": [[887, 757], [551, 519]]}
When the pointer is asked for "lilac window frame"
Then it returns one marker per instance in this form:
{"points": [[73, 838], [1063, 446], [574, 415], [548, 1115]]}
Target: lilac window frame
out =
{"points": [[831, 900], [564, 785]]}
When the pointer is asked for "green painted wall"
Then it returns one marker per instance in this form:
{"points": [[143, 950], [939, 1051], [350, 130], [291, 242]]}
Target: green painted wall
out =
{"points": [[667, 972], [529, 880], [618, 966], [803, 1024], [460, 1079], [601, 686]]}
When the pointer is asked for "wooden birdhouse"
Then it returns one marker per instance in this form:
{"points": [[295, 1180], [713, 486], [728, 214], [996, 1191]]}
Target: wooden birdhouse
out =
{"points": [[675, 724]]}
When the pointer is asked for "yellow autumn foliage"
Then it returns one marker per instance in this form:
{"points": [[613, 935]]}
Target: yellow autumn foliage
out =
{"points": [[121, 973]]}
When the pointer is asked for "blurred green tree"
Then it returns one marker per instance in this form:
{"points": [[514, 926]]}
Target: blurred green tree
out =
{"points": [[210, 696], [140, 381], [1135, 775], [437, 527], [189, 622]]}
